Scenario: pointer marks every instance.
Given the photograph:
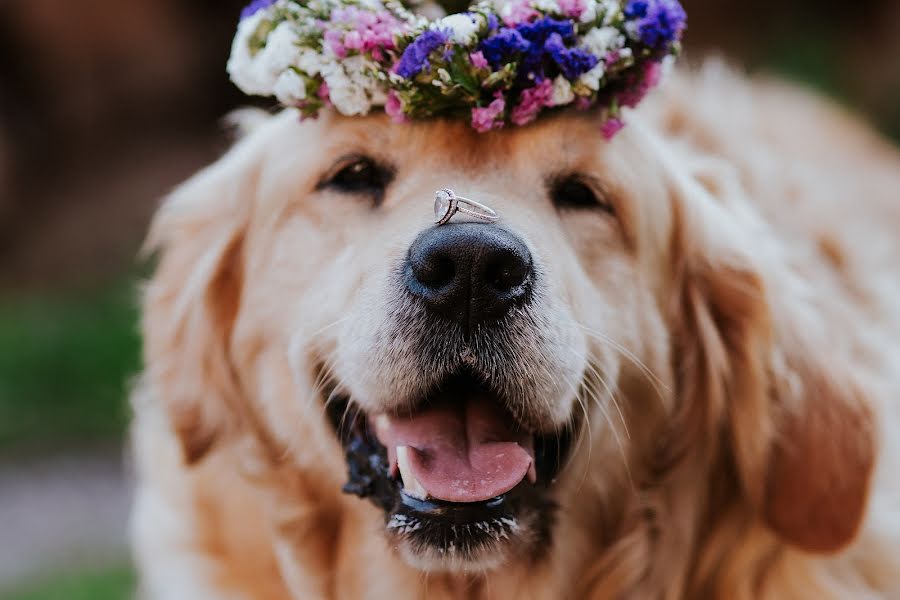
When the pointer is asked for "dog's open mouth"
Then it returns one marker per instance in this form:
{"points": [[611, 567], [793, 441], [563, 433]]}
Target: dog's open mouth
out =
{"points": [[458, 474]]}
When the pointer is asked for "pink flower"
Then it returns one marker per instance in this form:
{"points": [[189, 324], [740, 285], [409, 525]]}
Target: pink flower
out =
{"points": [[520, 11], [353, 40], [583, 103], [532, 101], [490, 116], [572, 8], [323, 93], [394, 108], [335, 41], [478, 60], [648, 80], [355, 29], [611, 127]]}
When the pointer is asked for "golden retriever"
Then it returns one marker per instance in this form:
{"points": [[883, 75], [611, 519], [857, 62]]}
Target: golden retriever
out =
{"points": [[671, 370]]}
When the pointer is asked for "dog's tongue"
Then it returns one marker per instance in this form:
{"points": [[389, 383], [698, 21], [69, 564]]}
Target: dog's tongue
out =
{"points": [[463, 451]]}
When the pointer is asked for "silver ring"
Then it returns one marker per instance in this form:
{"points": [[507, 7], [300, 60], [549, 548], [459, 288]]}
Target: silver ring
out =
{"points": [[447, 204]]}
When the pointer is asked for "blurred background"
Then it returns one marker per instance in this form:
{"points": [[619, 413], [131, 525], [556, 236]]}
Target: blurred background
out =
{"points": [[104, 107]]}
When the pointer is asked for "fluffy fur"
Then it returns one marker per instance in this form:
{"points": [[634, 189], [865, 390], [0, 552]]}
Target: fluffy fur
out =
{"points": [[731, 333]]}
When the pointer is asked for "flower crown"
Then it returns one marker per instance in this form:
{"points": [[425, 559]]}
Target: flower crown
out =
{"points": [[501, 62]]}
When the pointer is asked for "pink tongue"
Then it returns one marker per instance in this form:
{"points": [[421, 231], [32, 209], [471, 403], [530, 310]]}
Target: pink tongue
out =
{"points": [[461, 453]]}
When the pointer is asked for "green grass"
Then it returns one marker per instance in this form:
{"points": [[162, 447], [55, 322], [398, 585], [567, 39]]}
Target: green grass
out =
{"points": [[65, 362], [116, 584]]}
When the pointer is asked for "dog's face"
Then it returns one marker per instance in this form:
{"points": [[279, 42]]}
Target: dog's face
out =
{"points": [[467, 356], [480, 383]]}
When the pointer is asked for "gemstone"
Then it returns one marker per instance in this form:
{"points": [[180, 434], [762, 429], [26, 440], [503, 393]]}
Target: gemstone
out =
{"points": [[441, 205]]}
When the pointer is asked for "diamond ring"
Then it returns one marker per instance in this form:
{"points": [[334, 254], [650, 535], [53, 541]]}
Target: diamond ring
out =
{"points": [[447, 204]]}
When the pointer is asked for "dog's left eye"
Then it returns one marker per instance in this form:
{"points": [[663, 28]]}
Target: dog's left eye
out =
{"points": [[361, 175], [574, 192]]}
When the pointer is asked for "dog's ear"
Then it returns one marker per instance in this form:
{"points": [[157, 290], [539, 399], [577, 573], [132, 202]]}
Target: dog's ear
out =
{"points": [[753, 349], [192, 301]]}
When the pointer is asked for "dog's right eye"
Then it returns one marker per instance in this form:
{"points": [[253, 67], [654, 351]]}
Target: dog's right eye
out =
{"points": [[360, 175], [576, 192]]}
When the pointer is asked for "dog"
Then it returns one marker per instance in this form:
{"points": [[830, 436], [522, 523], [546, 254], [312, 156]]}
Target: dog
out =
{"points": [[671, 370]]}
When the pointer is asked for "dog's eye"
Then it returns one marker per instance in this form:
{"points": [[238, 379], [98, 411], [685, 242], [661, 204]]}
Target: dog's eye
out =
{"points": [[575, 193], [361, 175]]}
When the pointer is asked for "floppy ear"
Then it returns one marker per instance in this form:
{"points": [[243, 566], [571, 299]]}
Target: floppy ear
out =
{"points": [[192, 301], [754, 353]]}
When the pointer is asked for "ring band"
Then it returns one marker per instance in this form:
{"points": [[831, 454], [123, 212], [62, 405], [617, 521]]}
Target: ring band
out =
{"points": [[447, 204]]}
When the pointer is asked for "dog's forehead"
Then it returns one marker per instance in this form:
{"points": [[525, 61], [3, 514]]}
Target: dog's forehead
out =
{"points": [[561, 143]]}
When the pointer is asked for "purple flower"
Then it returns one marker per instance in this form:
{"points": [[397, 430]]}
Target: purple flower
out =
{"points": [[526, 43], [490, 116], [254, 7], [538, 31], [501, 46], [573, 62], [415, 57], [538, 34], [532, 101], [658, 22]]}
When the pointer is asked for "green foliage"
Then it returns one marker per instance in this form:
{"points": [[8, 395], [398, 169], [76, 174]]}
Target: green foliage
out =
{"points": [[810, 58], [65, 362], [117, 584]]}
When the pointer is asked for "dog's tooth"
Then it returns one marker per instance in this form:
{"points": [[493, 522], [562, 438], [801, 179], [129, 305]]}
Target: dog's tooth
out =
{"points": [[411, 485]]}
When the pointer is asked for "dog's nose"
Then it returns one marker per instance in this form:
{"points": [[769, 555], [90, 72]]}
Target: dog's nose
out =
{"points": [[468, 272]]}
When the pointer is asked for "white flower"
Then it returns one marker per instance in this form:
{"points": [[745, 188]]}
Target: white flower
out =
{"points": [[562, 91], [240, 63], [310, 62], [351, 86], [258, 74], [667, 66], [347, 97], [600, 41], [632, 28], [290, 88], [462, 27], [549, 6], [611, 9], [592, 78], [590, 11]]}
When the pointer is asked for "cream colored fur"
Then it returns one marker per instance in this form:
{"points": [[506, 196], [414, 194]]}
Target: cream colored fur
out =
{"points": [[734, 327]]}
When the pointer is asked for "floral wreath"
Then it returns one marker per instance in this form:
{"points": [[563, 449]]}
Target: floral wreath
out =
{"points": [[499, 63]]}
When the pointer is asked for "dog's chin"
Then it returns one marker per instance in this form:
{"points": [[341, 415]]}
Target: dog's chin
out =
{"points": [[490, 506]]}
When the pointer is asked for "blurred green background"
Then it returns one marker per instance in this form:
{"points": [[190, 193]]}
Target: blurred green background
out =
{"points": [[106, 105]]}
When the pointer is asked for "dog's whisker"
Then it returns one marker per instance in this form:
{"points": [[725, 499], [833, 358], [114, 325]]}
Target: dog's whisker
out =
{"points": [[595, 397], [658, 384], [322, 330], [605, 337], [593, 393], [612, 396], [587, 420]]}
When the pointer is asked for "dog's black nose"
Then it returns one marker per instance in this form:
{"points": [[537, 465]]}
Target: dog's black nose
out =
{"points": [[468, 272]]}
